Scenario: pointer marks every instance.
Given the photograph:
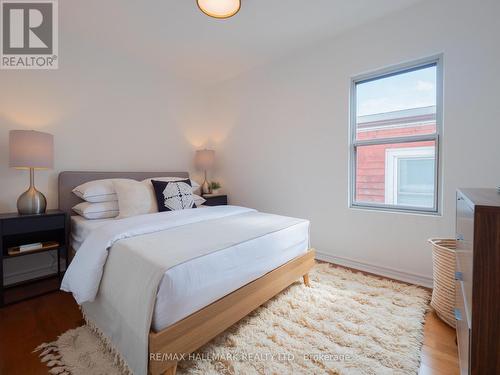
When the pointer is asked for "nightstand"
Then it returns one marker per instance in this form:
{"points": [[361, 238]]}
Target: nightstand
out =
{"points": [[215, 200], [16, 230]]}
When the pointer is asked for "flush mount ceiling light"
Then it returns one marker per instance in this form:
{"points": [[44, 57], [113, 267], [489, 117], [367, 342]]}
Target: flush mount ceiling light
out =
{"points": [[219, 8]]}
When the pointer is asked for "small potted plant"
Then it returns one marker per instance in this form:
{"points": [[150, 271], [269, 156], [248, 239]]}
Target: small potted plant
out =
{"points": [[215, 187]]}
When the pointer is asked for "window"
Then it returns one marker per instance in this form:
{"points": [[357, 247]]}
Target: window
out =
{"points": [[395, 128], [409, 176]]}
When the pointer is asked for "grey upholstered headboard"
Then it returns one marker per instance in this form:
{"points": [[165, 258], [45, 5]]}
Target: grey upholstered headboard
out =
{"points": [[69, 180]]}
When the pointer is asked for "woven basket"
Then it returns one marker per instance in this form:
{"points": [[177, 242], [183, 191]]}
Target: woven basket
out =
{"points": [[443, 293]]}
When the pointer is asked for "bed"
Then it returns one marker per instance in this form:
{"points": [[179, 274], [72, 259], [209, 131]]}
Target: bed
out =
{"points": [[201, 296]]}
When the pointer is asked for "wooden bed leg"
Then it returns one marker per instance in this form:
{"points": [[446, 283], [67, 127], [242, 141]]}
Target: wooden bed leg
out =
{"points": [[306, 279], [171, 370]]}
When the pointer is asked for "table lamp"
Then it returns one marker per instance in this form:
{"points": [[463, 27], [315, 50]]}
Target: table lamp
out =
{"points": [[30, 149], [204, 160]]}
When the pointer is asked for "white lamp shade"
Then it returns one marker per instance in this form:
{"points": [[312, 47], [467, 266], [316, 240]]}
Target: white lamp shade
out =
{"points": [[219, 8], [204, 159], [31, 149]]}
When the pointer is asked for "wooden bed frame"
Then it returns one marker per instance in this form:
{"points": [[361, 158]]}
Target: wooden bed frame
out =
{"points": [[192, 332], [189, 334]]}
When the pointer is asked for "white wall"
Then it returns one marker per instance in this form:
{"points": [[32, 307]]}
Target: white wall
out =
{"points": [[102, 118], [286, 149], [280, 131], [108, 109]]}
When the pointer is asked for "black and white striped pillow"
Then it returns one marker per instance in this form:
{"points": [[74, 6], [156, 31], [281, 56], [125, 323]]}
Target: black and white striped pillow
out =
{"points": [[173, 195]]}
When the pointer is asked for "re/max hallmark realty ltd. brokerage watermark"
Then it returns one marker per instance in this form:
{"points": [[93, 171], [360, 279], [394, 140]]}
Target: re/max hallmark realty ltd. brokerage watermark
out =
{"points": [[29, 37], [249, 357]]}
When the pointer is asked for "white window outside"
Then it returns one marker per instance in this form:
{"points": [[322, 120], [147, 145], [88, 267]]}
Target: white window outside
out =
{"points": [[409, 176]]}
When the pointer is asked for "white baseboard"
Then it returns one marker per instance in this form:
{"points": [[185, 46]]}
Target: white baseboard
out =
{"points": [[392, 273]]}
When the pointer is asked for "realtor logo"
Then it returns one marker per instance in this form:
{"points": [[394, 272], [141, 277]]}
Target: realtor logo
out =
{"points": [[29, 34]]}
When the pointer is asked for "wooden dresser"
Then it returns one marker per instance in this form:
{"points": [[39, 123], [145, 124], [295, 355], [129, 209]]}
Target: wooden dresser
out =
{"points": [[478, 281]]}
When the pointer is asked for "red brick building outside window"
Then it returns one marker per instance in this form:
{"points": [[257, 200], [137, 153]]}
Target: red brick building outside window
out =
{"points": [[398, 173]]}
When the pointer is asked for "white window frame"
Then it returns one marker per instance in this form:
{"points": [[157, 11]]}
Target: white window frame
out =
{"points": [[392, 156], [436, 137]]}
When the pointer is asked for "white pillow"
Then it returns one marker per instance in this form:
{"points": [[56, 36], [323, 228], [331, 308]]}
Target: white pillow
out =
{"points": [[138, 198], [194, 184], [198, 201], [91, 211], [98, 190], [134, 198]]}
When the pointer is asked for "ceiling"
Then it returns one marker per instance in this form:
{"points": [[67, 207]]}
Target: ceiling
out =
{"points": [[175, 36]]}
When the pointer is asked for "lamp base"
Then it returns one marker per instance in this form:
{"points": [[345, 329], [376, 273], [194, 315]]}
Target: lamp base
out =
{"points": [[205, 188], [31, 202]]}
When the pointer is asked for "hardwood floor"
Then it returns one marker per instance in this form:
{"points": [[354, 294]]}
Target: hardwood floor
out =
{"points": [[439, 352], [25, 325]]}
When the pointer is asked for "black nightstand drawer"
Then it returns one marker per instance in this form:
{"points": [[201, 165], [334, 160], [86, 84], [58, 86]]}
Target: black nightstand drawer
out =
{"points": [[215, 200], [32, 224]]}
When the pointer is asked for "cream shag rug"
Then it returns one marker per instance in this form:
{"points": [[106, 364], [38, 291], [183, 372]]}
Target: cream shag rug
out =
{"points": [[346, 323]]}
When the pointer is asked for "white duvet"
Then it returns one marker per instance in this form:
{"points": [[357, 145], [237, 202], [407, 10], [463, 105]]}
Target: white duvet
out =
{"points": [[84, 274], [118, 269]]}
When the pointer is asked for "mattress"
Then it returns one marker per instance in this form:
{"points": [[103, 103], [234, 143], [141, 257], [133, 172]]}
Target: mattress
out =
{"points": [[81, 227], [190, 286]]}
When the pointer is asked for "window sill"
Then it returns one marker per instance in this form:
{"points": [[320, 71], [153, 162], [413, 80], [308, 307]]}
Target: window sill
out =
{"points": [[391, 210]]}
